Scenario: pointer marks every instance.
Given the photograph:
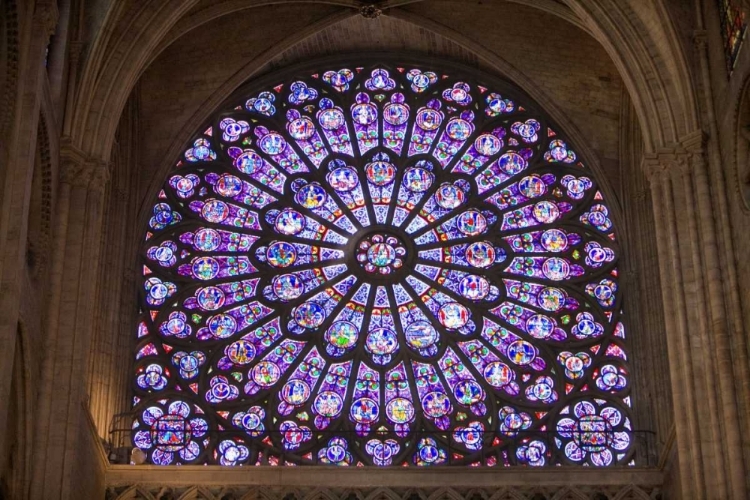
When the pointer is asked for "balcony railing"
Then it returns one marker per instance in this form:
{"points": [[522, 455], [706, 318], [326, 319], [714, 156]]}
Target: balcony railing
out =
{"points": [[497, 448]]}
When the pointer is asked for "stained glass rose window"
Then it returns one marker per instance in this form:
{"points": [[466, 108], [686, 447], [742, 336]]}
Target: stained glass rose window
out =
{"points": [[381, 266]]}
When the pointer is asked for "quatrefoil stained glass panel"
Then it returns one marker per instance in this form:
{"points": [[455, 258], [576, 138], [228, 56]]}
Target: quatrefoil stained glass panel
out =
{"points": [[383, 265]]}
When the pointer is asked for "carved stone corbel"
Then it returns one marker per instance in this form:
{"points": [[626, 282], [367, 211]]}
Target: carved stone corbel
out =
{"points": [[671, 163]]}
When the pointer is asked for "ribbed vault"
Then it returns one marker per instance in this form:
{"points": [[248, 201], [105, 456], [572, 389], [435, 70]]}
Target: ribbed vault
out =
{"points": [[654, 73]]}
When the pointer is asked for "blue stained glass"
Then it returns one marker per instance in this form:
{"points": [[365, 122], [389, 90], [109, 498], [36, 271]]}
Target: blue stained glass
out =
{"points": [[296, 391], [251, 163], [421, 335], [302, 130], [343, 179], [364, 117], [290, 222], [381, 266]]}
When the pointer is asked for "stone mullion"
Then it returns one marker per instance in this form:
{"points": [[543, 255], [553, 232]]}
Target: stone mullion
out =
{"points": [[635, 320], [639, 315], [113, 364], [691, 475], [125, 356], [642, 328], [62, 419], [683, 339], [70, 311], [55, 394], [703, 363], [125, 319], [699, 314], [122, 356], [124, 326], [653, 317], [722, 343], [644, 322]]}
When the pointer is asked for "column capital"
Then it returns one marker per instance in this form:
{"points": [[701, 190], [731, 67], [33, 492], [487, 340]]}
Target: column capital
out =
{"points": [[694, 142], [678, 159], [99, 176], [657, 166], [79, 169]]}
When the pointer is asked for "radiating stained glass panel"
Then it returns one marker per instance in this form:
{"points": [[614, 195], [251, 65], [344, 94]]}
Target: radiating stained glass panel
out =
{"points": [[381, 266]]}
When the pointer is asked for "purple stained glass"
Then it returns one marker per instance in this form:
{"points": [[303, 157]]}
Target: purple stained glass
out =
{"points": [[385, 265]]}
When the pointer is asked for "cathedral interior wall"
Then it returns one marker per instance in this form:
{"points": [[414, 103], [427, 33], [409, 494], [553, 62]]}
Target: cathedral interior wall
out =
{"points": [[194, 71], [202, 58]]}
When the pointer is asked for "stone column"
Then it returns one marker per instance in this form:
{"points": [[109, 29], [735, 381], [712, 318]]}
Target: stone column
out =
{"points": [[16, 173], [703, 386], [108, 377], [73, 282], [117, 301], [723, 255], [682, 394]]}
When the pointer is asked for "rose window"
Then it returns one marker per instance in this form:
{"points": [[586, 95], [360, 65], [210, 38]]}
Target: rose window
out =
{"points": [[381, 266]]}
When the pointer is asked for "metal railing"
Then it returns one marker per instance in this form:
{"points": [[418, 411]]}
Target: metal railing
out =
{"points": [[497, 448]]}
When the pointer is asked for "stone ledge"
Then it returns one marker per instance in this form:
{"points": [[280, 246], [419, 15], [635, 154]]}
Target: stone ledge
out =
{"points": [[370, 477], [527, 492]]}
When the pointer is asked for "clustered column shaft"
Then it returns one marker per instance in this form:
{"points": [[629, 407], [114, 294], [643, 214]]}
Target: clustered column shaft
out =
{"points": [[699, 341]]}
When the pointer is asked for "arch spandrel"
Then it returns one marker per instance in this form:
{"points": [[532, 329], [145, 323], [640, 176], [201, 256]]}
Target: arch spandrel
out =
{"points": [[381, 264]]}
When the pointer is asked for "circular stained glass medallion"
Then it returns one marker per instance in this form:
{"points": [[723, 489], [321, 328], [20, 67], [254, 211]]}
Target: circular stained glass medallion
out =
{"points": [[381, 253]]}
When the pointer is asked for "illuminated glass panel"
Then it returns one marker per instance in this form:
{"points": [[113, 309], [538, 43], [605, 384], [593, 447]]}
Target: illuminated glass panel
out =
{"points": [[733, 28], [381, 266]]}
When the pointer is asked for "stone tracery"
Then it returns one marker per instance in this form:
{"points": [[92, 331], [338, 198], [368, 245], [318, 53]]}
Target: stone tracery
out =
{"points": [[384, 266]]}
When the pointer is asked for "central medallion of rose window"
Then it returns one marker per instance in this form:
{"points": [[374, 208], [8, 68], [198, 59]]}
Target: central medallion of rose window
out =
{"points": [[381, 253]]}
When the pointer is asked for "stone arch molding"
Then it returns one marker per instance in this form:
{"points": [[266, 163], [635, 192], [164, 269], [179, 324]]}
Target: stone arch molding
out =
{"points": [[646, 54]]}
